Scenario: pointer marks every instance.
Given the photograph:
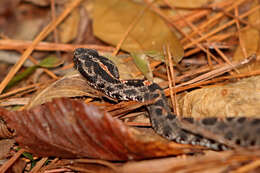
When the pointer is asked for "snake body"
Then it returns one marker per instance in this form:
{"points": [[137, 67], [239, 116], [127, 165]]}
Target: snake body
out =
{"points": [[102, 74]]}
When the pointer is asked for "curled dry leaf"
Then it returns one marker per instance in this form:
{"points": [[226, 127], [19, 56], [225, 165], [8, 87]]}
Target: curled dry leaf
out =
{"points": [[73, 85], [236, 99], [111, 20], [67, 34], [69, 128]]}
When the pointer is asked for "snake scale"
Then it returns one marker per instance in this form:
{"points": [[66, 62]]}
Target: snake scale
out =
{"points": [[212, 132]]}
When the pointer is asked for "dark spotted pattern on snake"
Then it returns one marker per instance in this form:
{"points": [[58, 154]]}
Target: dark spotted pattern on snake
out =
{"points": [[213, 133]]}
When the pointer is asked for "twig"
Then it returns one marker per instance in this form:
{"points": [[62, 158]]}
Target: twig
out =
{"points": [[20, 90], [220, 28], [11, 161], [213, 19], [47, 46], [55, 32], [171, 79], [220, 71], [195, 85], [241, 42], [248, 167], [38, 165]]}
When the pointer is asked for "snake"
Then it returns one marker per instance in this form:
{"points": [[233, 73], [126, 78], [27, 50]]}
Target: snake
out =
{"points": [[213, 133]]}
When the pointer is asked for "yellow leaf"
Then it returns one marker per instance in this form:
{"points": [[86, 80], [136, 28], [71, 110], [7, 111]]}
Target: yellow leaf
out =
{"points": [[112, 18], [69, 28], [251, 40]]}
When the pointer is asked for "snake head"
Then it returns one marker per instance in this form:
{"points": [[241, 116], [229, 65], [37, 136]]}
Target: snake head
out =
{"points": [[82, 55]]}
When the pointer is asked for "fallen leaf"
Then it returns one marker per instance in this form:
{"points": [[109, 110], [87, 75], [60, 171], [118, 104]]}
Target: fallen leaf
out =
{"points": [[72, 85], [68, 30], [251, 41], [111, 20], [51, 62], [69, 128], [234, 99], [141, 61]]}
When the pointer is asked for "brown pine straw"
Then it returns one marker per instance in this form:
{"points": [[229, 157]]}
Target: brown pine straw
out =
{"points": [[171, 79], [241, 42], [199, 13], [38, 165], [55, 31], [11, 161], [194, 28], [220, 28], [19, 90], [94, 161], [44, 33], [199, 84], [160, 13], [47, 46], [50, 73], [213, 19], [248, 167]]}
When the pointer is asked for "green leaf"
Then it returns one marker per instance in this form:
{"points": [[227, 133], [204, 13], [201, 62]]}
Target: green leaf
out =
{"points": [[28, 156], [50, 62], [27, 72], [143, 65]]}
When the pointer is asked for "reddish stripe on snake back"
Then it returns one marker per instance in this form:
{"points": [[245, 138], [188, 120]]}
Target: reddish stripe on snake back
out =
{"points": [[105, 69], [147, 83]]}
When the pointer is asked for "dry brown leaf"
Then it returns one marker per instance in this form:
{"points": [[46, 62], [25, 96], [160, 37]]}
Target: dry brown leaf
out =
{"points": [[69, 128], [73, 85], [68, 30], [112, 19], [236, 99], [251, 42]]}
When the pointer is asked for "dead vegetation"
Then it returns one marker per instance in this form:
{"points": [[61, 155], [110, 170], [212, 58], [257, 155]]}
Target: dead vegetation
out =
{"points": [[205, 54]]}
